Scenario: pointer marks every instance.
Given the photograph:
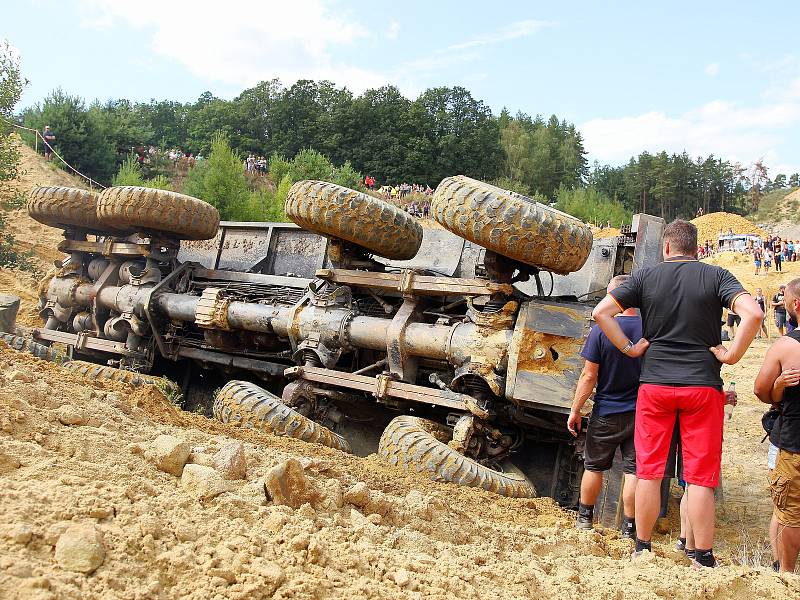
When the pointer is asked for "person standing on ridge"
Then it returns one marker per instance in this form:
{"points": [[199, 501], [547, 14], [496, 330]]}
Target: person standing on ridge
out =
{"points": [[50, 138]]}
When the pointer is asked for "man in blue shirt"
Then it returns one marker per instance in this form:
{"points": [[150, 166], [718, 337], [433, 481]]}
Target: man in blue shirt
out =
{"points": [[611, 423]]}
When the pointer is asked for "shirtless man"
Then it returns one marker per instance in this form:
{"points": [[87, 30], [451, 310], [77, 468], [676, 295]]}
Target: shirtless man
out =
{"points": [[778, 381]]}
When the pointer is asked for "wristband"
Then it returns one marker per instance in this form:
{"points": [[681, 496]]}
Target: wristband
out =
{"points": [[627, 347]]}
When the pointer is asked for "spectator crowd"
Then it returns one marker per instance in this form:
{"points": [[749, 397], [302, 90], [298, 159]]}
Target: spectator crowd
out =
{"points": [[653, 364]]}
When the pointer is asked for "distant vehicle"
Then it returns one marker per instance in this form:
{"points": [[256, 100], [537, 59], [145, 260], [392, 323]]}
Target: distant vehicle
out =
{"points": [[738, 242]]}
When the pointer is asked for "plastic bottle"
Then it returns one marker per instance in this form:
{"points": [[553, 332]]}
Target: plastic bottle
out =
{"points": [[729, 407]]}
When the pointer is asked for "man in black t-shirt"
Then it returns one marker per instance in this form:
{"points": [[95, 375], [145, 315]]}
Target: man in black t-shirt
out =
{"points": [[611, 423], [681, 301], [50, 138]]}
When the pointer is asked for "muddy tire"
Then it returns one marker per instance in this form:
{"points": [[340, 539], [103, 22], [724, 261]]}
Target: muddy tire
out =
{"points": [[95, 372], [65, 208], [23, 344], [418, 445], [138, 209], [336, 211], [245, 404], [511, 224]]}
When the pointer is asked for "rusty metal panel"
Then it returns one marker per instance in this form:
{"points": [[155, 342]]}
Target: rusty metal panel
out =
{"points": [[295, 251], [544, 362], [269, 248], [593, 276], [649, 232]]}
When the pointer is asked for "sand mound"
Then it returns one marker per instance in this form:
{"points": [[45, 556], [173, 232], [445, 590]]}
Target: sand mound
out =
{"points": [[709, 225], [83, 485], [606, 232]]}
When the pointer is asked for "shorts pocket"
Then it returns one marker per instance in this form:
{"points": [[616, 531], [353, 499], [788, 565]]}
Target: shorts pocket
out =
{"points": [[779, 490]]}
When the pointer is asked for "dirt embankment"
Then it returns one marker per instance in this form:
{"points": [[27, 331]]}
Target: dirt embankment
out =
{"points": [[84, 488]]}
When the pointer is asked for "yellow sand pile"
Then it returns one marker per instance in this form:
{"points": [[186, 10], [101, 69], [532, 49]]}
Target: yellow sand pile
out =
{"points": [[606, 232], [709, 226]]}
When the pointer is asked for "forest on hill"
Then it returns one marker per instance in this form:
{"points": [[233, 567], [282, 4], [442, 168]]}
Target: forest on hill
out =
{"points": [[381, 133]]}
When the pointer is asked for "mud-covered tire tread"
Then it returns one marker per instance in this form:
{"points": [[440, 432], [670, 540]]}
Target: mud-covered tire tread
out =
{"points": [[247, 405], [406, 442], [333, 210], [23, 344], [511, 225], [95, 372], [138, 209], [65, 207]]}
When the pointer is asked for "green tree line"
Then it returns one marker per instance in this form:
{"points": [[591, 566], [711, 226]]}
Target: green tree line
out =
{"points": [[444, 131], [676, 185]]}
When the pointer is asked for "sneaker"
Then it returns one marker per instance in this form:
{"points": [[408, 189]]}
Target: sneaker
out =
{"points": [[584, 522], [628, 530], [700, 567], [637, 554], [680, 546]]}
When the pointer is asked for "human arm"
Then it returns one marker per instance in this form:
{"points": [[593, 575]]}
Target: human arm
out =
{"points": [[586, 383], [604, 314], [769, 374], [751, 315], [787, 378]]}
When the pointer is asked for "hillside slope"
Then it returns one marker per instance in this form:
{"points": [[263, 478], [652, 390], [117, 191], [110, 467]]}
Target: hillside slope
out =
{"points": [[30, 235], [779, 212]]}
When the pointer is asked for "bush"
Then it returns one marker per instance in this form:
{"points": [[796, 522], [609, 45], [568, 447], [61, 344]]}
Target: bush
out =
{"points": [[10, 256], [130, 173], [276, 210], [220, 181], [347, 176], [278, 167], [310, 164], [15, 200], [591, 206], [11, 85]]}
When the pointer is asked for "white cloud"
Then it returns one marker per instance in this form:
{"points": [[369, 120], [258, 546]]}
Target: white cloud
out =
{"points": [[712, 69], [393, 30], [513, 31], [467, 51], [729, 130], [240, 42]]}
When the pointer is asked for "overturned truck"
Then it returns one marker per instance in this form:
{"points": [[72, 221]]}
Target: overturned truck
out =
{"points": [[451, 349]]}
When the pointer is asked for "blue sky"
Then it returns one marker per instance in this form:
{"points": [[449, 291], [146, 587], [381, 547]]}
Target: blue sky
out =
{"points": [[721, 77]]}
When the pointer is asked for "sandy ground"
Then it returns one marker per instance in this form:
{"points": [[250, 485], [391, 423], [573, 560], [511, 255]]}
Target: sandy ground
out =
{"points": [[83, 488]]}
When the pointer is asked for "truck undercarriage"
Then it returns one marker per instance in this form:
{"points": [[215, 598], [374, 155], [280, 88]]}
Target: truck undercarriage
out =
{"points": [[367, 333]]}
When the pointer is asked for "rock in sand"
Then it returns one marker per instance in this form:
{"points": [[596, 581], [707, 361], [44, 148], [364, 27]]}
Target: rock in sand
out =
{"points": [[230, 462], [169, 454], [71, 415], [286, 483], [204, 483], [80, 548]]}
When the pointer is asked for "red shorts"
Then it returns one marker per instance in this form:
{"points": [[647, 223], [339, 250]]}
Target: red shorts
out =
{"points": [[701, 412]]}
